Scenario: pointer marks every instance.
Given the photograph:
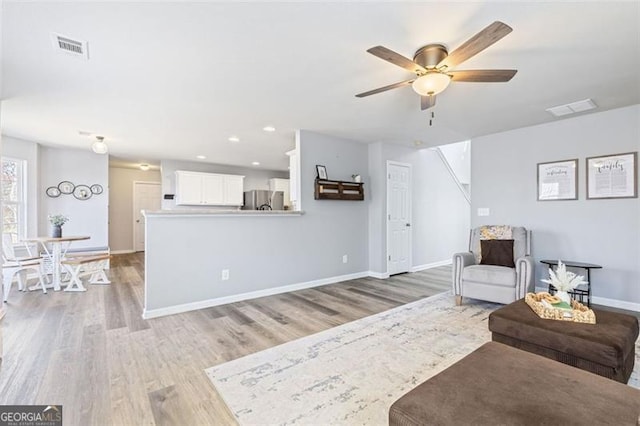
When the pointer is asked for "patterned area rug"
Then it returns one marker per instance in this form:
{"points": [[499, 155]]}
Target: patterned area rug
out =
{"points": [[351, 374]]}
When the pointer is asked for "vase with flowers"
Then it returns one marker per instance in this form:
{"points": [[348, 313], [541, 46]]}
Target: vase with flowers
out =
{"points": [[57, 220], [564, 281]]}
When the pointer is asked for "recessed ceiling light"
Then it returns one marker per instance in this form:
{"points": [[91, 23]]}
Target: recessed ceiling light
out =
{"points": [[234, 139], [144, 167], [269, 129], [255, 163], [200, 157]]}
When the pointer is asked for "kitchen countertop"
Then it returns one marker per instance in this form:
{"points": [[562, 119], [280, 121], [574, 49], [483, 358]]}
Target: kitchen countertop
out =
{"points": [[213, 212]]}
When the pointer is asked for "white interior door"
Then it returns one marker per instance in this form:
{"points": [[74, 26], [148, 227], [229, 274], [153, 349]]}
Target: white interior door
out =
{"points": [[398, 217], [146, 196]]}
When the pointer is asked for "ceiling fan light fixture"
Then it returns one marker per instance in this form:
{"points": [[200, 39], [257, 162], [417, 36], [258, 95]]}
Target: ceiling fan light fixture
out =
{"points": [[431, 83], [99, 147]]}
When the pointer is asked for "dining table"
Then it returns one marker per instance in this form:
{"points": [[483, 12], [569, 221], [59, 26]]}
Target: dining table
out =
{"points": [[55, 249]]}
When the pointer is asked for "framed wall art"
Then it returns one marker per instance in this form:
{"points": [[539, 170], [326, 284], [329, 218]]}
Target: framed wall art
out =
{"points": [[558, 180], [612, 176], [322, 172]]}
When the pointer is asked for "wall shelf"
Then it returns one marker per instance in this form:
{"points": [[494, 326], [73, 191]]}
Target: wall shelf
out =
{"points": [[338, 190]]}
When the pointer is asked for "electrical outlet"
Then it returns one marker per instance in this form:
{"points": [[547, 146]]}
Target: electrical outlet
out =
{"points": [[483, 211], [225, 274], [345, 259]]}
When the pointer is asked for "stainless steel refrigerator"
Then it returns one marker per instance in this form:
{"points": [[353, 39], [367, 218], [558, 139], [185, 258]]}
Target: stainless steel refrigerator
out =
{"points": [[263, 200]]}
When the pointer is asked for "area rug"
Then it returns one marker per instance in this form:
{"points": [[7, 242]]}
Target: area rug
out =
{"points": [[351, 374]]}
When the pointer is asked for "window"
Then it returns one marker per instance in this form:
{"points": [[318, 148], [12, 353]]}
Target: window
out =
{"points": [[13, 198]]}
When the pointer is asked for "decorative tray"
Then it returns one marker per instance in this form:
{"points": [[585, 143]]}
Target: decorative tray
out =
{"points": [[578, 313]]}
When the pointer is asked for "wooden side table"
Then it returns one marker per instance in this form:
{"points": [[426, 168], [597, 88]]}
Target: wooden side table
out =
{"points": [[576, 293]]}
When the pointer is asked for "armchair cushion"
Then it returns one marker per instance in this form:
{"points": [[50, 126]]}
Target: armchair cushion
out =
{"points": [[497, 252], [490, 274]]}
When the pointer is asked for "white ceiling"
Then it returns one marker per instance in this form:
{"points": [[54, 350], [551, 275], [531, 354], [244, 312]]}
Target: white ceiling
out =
{"points": [[175, 80]]}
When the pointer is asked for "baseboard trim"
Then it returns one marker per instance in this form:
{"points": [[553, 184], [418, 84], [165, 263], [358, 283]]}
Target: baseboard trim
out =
{"points": [[604, 301], [419, 268], [380, 275], [122, 251], [193, 306]]}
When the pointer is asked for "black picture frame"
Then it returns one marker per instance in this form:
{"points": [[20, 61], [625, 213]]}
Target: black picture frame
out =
{"points": [[53, 192], [66, 187], [96, 189], [82, 192], [321, 172]]}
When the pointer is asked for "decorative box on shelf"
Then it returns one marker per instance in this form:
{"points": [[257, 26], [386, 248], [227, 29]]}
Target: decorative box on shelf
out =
{"points": [[338, 190]]}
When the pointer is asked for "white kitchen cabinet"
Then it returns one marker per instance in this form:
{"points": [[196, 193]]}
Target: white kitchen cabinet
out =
{"points": [[213, 190], [188, 188], [208, 189], [234, 190]]}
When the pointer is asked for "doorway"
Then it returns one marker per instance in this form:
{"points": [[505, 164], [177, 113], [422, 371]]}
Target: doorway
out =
{"points": [[146, 196], [398, 217]]}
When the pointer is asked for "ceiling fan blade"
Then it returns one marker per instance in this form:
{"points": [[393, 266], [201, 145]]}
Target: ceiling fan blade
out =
{"points": [[396, 59], [483, 76], [427, 102], [385, 88], [476, 44]]}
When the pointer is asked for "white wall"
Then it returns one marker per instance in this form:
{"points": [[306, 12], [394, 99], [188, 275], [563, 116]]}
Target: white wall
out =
{"points": [[88, 217], [121, 204], [440, 213], [185, 255], [253, 178], [459, 157], [28, 151], [606, 232]]}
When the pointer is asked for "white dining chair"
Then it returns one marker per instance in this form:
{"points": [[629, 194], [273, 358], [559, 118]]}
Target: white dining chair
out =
{"points": [[18, 267]]}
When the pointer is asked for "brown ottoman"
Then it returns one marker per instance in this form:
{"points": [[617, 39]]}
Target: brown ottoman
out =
{"points": [[500, 385], [606, 348]]}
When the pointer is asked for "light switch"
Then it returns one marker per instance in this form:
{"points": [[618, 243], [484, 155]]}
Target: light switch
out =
{"points": [[483, 211]]}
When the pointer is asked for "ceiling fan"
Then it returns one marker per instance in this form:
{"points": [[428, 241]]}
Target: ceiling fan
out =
{"points": [[432, 65]]}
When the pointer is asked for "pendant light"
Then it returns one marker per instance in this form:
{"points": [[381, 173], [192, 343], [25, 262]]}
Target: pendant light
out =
{"points": [[99, 147]]}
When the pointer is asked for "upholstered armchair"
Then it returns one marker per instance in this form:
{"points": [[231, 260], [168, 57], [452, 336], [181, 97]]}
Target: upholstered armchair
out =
{"points": [[486, 279]]}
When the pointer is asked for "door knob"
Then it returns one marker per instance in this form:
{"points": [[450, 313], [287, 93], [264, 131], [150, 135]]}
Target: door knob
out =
{"points": [[408, 224], [138, 221]]}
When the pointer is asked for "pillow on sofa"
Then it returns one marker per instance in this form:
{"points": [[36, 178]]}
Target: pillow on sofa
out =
{"points": [[497, 252]]}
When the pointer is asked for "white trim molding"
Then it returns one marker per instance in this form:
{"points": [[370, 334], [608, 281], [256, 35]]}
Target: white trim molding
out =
{"points": [[201, 304], [122, 251], [604, 301], [379, 275], [431, 265]]}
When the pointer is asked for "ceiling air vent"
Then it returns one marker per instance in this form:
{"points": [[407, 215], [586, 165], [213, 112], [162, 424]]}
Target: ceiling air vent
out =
{"points": [[70, 46], [572, 108]]}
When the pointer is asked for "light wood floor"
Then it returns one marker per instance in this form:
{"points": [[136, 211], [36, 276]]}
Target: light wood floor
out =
{"points": [[94, 354]]}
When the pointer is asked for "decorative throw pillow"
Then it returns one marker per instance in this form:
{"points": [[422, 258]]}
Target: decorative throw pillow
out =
{"points": [[490, 232], [497, 252]]}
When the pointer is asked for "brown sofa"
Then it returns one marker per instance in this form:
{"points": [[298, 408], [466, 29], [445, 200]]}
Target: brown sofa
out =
{"points": [[501, 385]]}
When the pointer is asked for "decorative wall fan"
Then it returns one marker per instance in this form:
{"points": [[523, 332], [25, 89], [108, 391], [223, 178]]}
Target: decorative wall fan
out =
{"points": [[433, 65]]}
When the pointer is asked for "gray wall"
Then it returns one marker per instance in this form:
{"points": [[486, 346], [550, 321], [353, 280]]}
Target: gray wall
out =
{"points": [[88, 217], [185, 255], [121, 204], [253, 178], [440, 213], [606, 232]]}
